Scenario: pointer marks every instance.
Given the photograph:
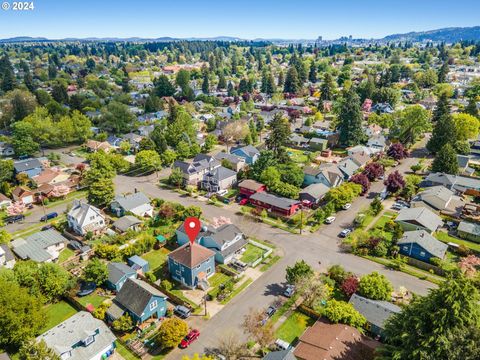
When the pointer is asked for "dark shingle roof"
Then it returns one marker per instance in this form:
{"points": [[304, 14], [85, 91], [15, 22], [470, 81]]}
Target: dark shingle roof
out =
{"points": [[426, 241], [135, 295]]}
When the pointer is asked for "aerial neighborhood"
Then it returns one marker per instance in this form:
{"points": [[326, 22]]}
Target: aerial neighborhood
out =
{"points": [[336, 184]]}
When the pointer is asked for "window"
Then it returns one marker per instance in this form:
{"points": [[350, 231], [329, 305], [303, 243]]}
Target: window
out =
{"points": [[209, 270], [177, 272], [422, 253], [92, 217], [153, 305], [198, 266], [89, 340], [405, 248]]}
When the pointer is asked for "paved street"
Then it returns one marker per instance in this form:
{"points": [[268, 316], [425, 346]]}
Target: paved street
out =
{"points": [[320, 250]]}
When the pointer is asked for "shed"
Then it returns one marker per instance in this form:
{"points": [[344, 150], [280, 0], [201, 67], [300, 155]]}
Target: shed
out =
{"points": [[137, 263]]}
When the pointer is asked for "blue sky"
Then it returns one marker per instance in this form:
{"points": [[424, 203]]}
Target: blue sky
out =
{"points": [[292, 19]]}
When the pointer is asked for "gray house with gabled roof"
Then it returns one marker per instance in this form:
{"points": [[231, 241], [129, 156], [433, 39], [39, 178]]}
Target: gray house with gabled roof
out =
{"points": [[419, 218], [375, 311]]}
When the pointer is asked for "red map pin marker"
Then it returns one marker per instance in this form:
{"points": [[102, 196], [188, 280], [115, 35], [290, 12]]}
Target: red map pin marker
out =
{"points": [[192, 228]]}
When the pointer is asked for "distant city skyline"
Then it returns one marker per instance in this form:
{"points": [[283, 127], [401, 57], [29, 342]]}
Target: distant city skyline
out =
{"points": [[300, 19]]}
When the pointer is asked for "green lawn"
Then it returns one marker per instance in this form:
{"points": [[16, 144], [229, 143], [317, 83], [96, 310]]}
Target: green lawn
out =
{"points": [[251, 254], [156, 258], [386, 217], [294, 326], [217, 279], [93, 299], [445, 237], [126, 354], [56, 313], [297, 156], [66, 254]]}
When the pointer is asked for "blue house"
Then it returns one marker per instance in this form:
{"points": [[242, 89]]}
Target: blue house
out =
{"points": [[225, 241], [32, 167], [327, 174], [118, 273], [249, 153], [137, 263], [140, 300], [421, 245], [192, 265]]}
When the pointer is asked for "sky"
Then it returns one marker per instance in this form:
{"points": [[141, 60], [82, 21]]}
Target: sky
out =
{"points": [[248, 19]]}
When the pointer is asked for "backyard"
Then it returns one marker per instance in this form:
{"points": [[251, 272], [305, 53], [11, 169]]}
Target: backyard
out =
{"points": [[446, 238], [95, 299], [66, 254], [294, 326], [156, 259], [251, 254], [56, 313]]}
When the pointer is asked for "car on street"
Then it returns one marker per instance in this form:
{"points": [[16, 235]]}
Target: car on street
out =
{"points": [[244, 201], [397, 206], [330, 219], [46, 227], [289, 291], [14, 218], [403, 203], [49, 216], [182, 311], [222, 192], [272, 309], [346, 206], [344, 233], [191, 337]]}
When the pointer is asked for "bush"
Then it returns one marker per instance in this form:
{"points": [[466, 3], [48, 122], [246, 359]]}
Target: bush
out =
{"points": [[375, 286], [123, 323], [344, 313], [167, 285], [349, 286], [171, 332], [150, 276], [337, 273]]}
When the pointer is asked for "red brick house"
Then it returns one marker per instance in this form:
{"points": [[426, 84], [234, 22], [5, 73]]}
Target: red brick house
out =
{"points": [[275, 204], [250, 187]]}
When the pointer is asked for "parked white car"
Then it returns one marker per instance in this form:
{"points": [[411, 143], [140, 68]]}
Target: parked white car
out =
{"points": [[346, 206], [330, 219]]}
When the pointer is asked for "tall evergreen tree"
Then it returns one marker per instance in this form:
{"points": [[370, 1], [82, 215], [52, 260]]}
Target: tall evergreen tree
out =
{"points": [[312, 74], [443, 133], [280, 131], [163, 86], [281, 79], [292, 83], [442, 107], [268, 83], [472, 108], [222, 83], [432, 327], [443, 72], [327, 89], [350, 119], [446, 160]]}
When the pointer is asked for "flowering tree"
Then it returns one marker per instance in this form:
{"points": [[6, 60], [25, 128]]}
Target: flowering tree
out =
{"points": [[367, 105], [60, 191], [350, 285], [361, 179], [469, 265], [222, 220], [373, 171], [16, 208], [397, 151], [394, 182]]}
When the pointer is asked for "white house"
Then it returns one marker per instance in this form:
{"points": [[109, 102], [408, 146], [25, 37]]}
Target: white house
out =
{"points": [[137, 203], [80, 337], [84, 218]]}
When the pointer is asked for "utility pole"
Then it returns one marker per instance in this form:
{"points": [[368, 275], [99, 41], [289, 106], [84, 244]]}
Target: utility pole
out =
{"points": [[301, 219]]}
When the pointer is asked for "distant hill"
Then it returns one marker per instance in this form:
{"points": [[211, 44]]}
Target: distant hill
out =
{"points": [[448, 35]]}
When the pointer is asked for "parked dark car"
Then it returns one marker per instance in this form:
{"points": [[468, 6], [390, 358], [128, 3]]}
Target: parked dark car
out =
{"points": [[272, 309], [49, 216], [14, 218], [182, 311], [46, 227]]}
